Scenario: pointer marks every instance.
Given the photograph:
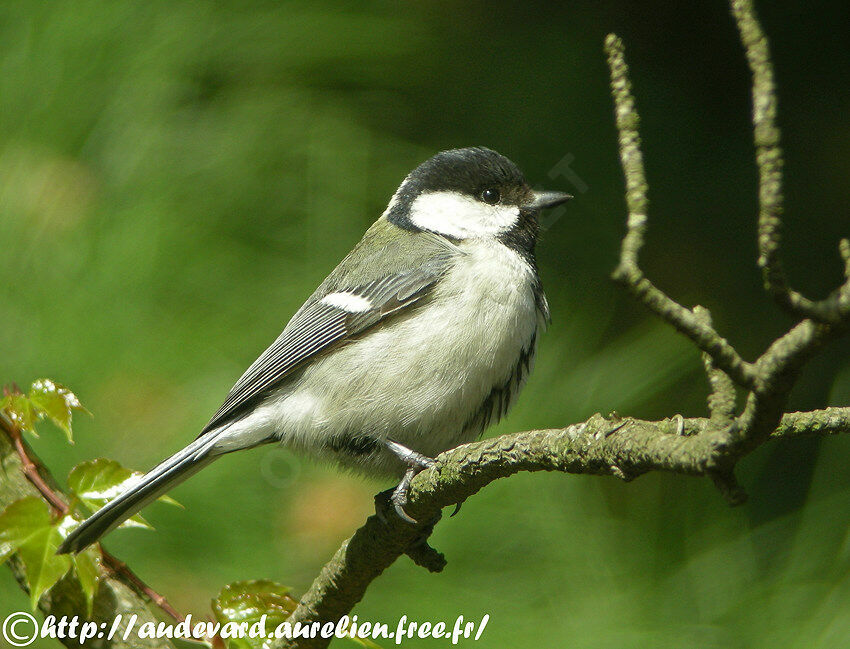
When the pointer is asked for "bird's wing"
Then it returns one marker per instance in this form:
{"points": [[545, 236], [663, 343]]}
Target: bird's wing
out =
{"points": [[336, 312]]}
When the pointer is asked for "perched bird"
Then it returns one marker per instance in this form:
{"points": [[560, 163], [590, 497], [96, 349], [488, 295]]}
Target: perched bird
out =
{"points": [[416, 342]]}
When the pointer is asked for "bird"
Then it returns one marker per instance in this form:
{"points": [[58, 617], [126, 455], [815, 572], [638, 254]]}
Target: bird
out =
{"points": [[415, 343]]}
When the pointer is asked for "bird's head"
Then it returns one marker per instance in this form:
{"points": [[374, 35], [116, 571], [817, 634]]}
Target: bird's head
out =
{"points": [[469, 193]]}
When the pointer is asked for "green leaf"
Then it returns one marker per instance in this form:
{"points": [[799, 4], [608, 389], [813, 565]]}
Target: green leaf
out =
{"points": [[248, 601], [26, 527], [46, 399], [168, 500], [87, 567], [19, 521], [57, 402], [96, 482], [20, 410]]}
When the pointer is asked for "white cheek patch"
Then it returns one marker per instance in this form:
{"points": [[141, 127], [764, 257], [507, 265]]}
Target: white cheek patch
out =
{"points": [[459, 216], [347, 302]]}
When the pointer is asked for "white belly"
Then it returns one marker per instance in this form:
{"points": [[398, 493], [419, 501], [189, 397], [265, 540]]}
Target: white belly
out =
{"points": [[421, 378]]}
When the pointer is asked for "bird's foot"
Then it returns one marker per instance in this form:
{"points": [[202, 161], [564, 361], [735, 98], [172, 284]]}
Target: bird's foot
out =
{"points": [[416, 462]]}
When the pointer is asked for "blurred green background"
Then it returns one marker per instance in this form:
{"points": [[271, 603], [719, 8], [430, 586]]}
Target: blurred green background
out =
{"points": [[176, 177]]}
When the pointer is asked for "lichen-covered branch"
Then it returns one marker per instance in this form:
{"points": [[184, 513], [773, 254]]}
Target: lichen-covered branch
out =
{"points": [[721, 400], [625, 448], [770, 378]]}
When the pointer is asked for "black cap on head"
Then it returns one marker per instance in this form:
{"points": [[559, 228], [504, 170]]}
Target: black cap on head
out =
{"points": [[477, 172], [466, 171]]}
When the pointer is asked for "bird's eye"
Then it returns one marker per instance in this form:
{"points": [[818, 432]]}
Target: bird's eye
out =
{"points": [[490, 196]]}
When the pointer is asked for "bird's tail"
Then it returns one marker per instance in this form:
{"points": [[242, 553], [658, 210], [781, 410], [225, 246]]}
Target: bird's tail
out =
{"points": [[163, 477]]}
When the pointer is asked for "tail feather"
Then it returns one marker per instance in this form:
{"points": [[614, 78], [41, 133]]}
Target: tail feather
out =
{"points": [[163, 477]]}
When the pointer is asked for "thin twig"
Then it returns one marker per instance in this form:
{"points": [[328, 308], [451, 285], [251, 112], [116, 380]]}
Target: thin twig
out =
{"points": [[770, 379], [121, 569], [729, 487], [844, 251], [836, 307], [721, 400], [628, 272], [30, 469]]}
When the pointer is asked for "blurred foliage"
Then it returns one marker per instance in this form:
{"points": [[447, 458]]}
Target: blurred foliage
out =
{"points": [[247, 602], [176, 177]]}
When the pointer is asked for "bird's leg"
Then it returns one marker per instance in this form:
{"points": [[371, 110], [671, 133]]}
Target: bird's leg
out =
{"points": [[415, 462], [410, 457]]}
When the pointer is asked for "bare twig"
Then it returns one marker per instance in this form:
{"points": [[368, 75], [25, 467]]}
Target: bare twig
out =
{"points": [[835, 308], [770, 379], [30, 468], [721, 400], [628, 271], [122, 570]]}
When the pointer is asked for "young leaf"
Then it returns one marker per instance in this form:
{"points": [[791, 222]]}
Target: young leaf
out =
{"points": [[86, 565], [96, 482], [248, 601], [57, 402], [19, 521], [20, 410], [46, 398], [27, 528]]}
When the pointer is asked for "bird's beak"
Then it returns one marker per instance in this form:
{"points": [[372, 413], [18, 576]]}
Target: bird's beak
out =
{"points": [[545, 200]]}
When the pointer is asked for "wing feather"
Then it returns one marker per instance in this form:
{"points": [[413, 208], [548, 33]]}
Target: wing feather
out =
{"points": [[318, 326]]}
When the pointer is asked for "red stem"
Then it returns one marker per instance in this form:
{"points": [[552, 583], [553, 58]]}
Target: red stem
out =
{"points": [[117, 567], [31, 472]]}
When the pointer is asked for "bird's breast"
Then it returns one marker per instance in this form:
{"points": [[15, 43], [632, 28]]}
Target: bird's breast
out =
{"points": [[427, 376]]}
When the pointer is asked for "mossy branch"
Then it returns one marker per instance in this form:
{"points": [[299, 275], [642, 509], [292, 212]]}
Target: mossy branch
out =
{"points": [[834, 309], [624, 448]]}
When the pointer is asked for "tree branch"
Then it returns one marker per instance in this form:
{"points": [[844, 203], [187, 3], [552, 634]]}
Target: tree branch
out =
{"points": [[721, 401], [599, 446], [628, 272]]}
